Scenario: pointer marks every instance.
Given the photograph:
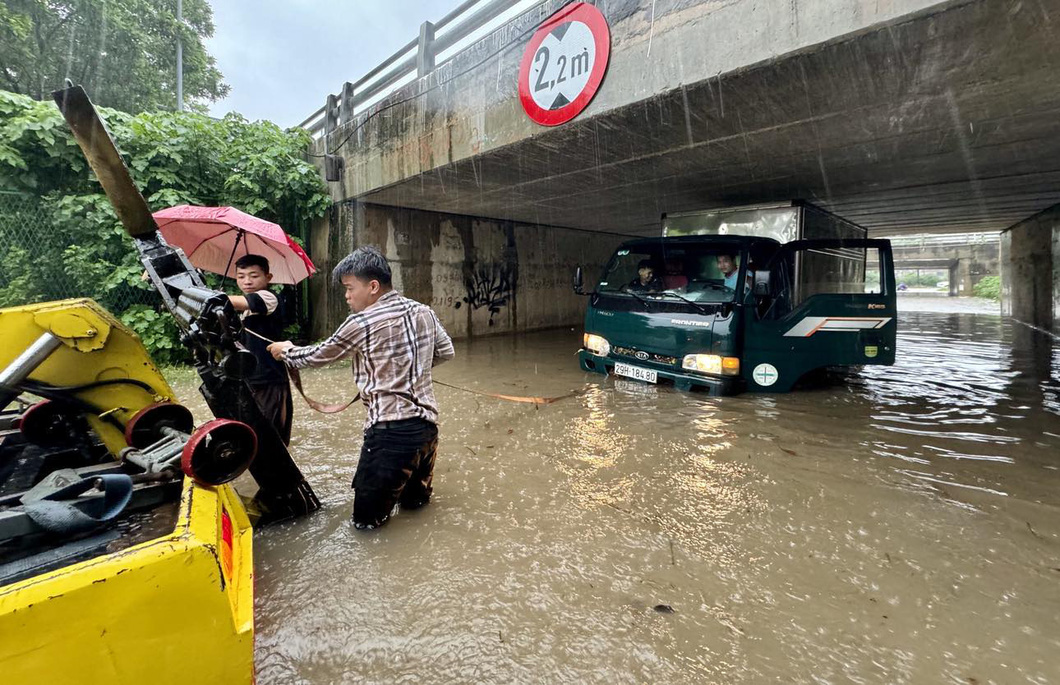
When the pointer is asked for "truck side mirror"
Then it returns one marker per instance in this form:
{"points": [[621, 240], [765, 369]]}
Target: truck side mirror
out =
{"points": [[578, 281], [762, 283]]}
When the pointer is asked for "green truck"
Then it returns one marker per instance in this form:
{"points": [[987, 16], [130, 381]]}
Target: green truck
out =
{"points": [[742, 299]]}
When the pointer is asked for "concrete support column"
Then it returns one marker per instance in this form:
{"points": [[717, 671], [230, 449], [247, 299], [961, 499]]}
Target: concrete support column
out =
{"points": [[425, 50], [1030, 269], [346, 106], [965, 280], [331, 114]]}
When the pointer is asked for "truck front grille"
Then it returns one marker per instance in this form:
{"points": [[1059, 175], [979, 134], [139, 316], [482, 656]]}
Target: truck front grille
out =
{"points": [[643, 355]]}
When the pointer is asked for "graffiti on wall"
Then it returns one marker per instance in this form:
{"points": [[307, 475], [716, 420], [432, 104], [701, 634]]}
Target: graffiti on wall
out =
{"points": [[491, 286]]}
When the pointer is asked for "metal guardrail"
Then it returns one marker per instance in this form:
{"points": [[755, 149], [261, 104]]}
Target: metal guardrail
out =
{"points": [[945, 240], [417, 58]]}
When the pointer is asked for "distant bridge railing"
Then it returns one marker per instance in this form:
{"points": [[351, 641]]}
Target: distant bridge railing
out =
{"points": [[946, 240], [416, 59]]}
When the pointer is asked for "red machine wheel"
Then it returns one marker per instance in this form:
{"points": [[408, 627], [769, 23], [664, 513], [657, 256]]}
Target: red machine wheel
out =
{"points": [[49, 424], [219, 451], [145, 427]]}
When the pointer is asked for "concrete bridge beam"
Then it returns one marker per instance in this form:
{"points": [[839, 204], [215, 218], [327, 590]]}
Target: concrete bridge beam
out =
{"points": [[967, 262], [904, 116]]}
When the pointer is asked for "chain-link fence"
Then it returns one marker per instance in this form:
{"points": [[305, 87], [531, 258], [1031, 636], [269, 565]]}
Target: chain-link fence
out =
{"points": [[49, 254], [41, 261], [23, 228]]}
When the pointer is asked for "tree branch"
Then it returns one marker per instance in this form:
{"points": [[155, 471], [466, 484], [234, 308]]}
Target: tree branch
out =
{"points": [[59, 25]]}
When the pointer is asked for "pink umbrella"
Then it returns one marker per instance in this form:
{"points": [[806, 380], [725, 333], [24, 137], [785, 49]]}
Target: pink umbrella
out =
{"points": [[215, 237]]}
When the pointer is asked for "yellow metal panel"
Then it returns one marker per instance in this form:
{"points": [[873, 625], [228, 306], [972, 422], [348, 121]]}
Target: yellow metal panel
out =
{"points": [[169, 610], [78, 326], [160, 612], [82, 359]]}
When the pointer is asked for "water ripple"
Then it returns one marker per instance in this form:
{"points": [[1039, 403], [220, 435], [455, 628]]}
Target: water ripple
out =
{"points": [[859, 532]]}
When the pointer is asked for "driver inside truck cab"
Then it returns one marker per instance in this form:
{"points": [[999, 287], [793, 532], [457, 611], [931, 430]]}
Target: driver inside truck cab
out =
{"points": [[729, 269]]}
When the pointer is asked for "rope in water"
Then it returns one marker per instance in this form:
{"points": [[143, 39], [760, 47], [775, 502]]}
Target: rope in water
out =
{"points": [[296, 380], [514, 398]]}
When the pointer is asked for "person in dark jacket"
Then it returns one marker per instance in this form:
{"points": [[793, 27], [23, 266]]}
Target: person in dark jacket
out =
{"points": [[262, 316]]}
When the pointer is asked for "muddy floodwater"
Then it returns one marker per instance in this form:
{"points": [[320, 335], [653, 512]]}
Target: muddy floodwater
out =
{"points": [[902, 527]]}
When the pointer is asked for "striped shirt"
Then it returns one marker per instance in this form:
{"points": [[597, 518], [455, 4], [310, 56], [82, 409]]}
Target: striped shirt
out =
{"points": [[394, 344]]}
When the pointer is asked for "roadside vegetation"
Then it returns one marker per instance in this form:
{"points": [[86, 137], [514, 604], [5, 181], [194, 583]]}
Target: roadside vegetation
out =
{"points": [[65, 240], [989, 287], [121, 51]]}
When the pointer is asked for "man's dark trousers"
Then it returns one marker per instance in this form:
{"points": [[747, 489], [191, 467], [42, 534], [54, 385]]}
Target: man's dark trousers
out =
{"points": [[396, 466]]}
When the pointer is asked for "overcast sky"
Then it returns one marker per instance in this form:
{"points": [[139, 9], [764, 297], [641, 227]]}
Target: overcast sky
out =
{"points": [[283, 57]]}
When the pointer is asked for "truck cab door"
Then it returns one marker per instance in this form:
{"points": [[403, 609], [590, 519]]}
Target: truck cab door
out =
{"points": [[818, 304]]}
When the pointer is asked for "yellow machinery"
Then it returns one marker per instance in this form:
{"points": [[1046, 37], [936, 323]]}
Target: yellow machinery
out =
{"points": [[159, 591], [114, 568]]}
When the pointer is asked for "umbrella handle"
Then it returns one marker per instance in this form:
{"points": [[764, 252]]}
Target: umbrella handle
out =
{"points": [[235, 246]]}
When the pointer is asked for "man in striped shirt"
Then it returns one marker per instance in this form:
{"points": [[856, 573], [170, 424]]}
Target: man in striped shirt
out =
{"points": [[393, 342]]}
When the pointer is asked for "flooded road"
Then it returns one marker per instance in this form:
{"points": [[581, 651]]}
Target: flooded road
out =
{"points": [[900, 528]]}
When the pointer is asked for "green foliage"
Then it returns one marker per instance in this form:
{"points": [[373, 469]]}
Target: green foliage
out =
{"points": [[19, 280], [926, 279], [157, 331], [68, 242], [989, 287], [122, 51]]}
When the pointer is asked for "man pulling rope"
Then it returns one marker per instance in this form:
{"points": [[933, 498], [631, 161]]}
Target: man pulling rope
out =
{"points": [[323, 408], [394, 343]]}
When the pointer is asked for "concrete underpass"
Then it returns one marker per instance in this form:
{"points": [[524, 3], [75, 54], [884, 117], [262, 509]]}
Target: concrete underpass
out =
{"points": [[907, 118], [897, 526]]}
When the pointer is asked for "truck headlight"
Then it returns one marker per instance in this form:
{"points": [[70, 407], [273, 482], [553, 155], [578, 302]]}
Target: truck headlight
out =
{"points": [[596, 344], [712, 363]]}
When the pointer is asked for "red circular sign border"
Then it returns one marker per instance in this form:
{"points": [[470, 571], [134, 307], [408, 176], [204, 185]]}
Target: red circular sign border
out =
{"points": [[591, 17]]}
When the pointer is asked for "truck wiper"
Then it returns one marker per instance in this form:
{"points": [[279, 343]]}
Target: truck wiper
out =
{"points": [[625, 289], [699, 308]]}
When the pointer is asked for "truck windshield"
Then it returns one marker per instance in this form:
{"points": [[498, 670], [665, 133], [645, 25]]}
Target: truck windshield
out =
{"points": [[697, 273]]}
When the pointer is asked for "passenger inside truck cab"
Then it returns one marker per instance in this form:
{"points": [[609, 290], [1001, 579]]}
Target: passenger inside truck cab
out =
{"points": [[647, 280], [680, 273]]}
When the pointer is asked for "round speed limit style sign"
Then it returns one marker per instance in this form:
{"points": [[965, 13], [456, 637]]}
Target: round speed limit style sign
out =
{"points": [[564, 64]]}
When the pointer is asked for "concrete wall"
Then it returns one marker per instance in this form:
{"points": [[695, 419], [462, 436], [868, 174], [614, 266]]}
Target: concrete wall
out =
{"points": [[1030, 270], [481, 276], [1056, 278]]}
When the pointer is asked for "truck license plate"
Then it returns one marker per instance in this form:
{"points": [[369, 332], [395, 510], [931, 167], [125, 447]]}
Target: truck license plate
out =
{"points": [[637, 373]]}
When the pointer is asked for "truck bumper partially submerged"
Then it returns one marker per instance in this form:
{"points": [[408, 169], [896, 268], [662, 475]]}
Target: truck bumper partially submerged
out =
{"points": [[682, 380]]}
